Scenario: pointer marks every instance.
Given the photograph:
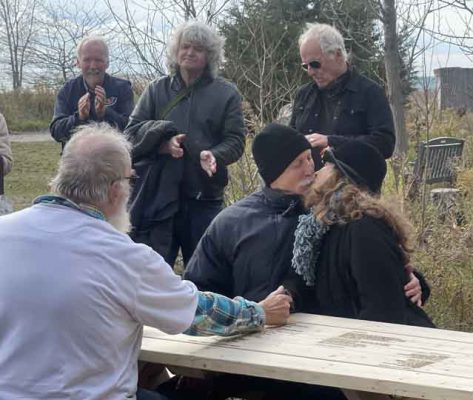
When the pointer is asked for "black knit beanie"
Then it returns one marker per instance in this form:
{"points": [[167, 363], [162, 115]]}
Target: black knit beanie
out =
{"points": [[360, 162], [275, 147]]}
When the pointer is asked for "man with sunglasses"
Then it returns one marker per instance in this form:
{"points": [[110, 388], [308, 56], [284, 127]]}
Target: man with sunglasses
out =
{"points": [[339, 105]]}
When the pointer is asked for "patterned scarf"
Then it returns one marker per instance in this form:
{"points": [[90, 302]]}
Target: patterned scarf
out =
{"points": [[62, 201], [307, 243]]}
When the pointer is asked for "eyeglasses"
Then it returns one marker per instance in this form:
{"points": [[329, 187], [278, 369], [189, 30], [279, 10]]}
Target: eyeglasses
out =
{"points": [[132, 178], [313, 64]]}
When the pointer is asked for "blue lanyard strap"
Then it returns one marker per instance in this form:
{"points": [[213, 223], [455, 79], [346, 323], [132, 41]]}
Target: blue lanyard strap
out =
{"points": [[62, 201]]}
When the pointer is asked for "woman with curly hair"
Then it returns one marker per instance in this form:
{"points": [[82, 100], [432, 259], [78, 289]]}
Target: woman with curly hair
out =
{"points": [[350, 252]]}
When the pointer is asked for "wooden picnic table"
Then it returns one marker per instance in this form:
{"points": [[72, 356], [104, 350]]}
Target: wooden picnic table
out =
{"points": [[351, 354]]}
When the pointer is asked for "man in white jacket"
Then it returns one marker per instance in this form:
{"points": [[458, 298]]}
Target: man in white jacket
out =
{"points": [[75, 290]]}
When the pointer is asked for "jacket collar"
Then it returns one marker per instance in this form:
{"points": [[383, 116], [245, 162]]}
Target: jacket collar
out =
{"points": [[353, 83], [106, 78], [348, 82], [177, 83], [287, 203]]}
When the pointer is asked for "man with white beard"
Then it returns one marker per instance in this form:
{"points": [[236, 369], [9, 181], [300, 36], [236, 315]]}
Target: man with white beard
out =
{"points": [[75, 290]]}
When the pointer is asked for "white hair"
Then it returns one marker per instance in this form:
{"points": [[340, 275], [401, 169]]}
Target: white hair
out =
{"points": [[92, 39], [96, 156], [329, 37]]}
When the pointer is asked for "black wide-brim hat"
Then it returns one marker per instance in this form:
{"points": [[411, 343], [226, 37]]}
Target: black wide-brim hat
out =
{"points": [[361, 163]]}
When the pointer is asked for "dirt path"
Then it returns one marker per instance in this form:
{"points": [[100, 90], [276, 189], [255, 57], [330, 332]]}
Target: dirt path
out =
{"points": [[42, 136]]}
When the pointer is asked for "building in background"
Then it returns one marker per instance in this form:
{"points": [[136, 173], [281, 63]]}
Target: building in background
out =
{"points": [[455, 88]]}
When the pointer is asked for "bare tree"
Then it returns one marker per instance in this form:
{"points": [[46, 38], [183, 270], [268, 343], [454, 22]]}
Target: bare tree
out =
{"points": [[17, 20], [393, 75], [61, 25], [144, 28], [461, 34]]}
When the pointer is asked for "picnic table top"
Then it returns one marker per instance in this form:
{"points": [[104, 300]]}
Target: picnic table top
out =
{"points": [[347, 353]]}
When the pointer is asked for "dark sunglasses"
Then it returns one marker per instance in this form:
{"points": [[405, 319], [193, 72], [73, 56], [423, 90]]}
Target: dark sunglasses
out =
{"points": [[313, 64]]}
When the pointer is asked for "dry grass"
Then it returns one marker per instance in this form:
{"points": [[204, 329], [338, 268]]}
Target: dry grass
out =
{"points": [[34, 165]]}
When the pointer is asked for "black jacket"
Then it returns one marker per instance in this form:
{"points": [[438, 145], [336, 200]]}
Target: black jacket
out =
{"points": [[155, 194], [210, 115], [247, 249], [359, 274], [361, 111], [66, 116]]}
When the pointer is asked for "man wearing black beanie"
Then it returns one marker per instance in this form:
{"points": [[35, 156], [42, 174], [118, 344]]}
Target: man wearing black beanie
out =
{"points": [[247, 249], [275, 148]]}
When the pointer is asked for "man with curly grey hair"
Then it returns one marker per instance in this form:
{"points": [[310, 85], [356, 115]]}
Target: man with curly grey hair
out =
{"points": [[186, 128], [339, 105]]}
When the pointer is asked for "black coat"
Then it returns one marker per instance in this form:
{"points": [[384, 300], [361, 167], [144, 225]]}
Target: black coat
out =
{"points": [[359, 110], [359, 274], [210, 115], [247, 249]]}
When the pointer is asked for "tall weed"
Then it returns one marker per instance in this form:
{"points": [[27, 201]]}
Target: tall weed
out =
{"points": [[28, 109]]}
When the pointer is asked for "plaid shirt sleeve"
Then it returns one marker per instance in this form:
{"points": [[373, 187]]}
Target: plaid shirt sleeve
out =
{"points": [[219, 315]]}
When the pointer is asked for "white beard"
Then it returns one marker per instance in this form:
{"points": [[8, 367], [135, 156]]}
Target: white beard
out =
{"points": [[121, 220]]}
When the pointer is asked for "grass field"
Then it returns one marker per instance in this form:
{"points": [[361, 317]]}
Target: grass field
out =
{"points": [[34, 165]]}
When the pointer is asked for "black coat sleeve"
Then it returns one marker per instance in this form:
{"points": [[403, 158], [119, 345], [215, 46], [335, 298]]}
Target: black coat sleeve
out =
{"points": [[301, 293], [65, 118], [424, 285], [144, 130], [295, 108], [231, 147], [377, 269], [210, 267]]}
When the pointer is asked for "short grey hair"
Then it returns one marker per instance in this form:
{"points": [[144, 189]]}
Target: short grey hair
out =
{"points": [[329, 37], [96, 156], [92, 39], [201, 34]]}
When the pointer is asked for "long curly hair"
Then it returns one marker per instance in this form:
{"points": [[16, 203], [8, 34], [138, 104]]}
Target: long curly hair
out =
{"points": [[339, 202]]}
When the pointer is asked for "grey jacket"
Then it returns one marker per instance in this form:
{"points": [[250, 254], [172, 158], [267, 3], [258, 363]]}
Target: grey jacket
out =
{"points": [[5, 152], [211, 116]]}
